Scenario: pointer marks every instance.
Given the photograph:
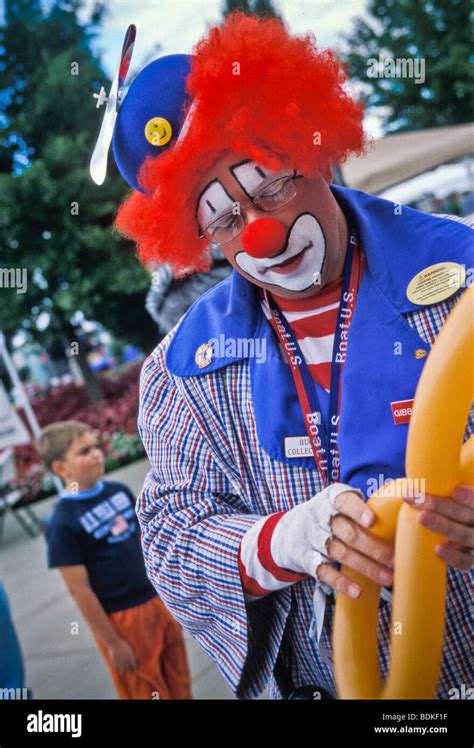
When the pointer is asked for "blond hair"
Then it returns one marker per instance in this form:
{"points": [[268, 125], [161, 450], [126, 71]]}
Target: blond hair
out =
{"points": [[55, 439]]}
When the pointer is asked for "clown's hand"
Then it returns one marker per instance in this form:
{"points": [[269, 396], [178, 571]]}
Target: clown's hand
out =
{"points": [[454, 519], [332, 526]]}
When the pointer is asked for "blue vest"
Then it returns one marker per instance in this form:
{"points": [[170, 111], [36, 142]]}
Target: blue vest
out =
{"points": [[381, 366]]}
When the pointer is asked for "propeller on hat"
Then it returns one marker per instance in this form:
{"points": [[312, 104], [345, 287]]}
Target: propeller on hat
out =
{"points": [[98, 163]]}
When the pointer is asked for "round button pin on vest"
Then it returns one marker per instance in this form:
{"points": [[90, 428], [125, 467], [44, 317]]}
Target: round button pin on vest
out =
{"points": [[436, 283], [420, 353], [204, 355]]}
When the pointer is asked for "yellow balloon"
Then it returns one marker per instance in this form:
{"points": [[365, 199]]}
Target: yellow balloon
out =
{"points": [[436, 454]]}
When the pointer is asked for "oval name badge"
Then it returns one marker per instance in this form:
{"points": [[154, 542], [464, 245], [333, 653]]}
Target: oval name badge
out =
{"points": [[436, 283]]}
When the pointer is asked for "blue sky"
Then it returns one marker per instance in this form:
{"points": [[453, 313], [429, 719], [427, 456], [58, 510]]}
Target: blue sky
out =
{"points": [[177, 24], [172, 26]]}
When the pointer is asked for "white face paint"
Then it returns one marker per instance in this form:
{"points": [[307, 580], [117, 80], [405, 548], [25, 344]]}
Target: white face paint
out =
{"points": [[251, 176], [213, 202], [299, 266]]}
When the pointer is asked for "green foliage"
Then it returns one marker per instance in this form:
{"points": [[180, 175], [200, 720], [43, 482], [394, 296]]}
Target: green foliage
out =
{"points": [[438, 31], [54, 220], [259, 7]]}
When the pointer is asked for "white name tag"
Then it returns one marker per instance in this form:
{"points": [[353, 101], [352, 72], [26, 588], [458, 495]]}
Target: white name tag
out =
{"points": [[298, 446]]}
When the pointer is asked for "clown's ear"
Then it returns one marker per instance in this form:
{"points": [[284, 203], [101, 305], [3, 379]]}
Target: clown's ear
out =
{"points": [[327, 173], [98, 163]]}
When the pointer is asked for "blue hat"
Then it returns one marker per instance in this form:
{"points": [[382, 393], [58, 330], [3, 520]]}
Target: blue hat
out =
{"points": [[151, 115]]}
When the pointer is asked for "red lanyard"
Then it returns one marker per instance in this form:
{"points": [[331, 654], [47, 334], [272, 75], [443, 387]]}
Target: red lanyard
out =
{"points": [[324, 442]]}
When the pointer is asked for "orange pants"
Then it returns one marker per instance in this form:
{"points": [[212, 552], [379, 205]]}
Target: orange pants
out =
{"points": [[157, 640]]}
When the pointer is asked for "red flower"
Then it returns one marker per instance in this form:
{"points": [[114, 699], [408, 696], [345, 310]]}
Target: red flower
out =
{"points": [[117, 412]]}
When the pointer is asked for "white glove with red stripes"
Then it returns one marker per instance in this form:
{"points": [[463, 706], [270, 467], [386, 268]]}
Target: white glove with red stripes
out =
{"points": [[300, 538], [285, 547]]}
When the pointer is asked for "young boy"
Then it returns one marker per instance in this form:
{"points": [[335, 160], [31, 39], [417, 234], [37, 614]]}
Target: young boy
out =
{"points": [[93, 538]]}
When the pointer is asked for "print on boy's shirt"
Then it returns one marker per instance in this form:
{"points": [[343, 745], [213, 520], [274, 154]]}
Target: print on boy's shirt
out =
{"points": [[110, 516], [120, 525], [99, 529]]}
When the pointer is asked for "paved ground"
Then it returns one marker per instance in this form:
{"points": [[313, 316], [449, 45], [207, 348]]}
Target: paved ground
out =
{"points": [[60, 665]]}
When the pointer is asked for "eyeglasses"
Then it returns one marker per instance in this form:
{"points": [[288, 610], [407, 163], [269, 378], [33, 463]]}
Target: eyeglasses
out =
{"points": [[273, 196]]}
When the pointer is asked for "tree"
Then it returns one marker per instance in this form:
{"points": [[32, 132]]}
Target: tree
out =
{"points": [[436, 33], [54, 221], [257, 7]]}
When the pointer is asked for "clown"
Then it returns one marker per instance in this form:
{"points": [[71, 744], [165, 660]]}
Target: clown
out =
{"points": [[261, 469]]}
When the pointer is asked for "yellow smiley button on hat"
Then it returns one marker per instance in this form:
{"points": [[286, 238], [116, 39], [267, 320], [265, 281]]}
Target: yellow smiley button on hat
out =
{"points": [[158, 131]]}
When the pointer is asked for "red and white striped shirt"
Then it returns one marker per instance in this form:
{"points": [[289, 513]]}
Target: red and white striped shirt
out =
{"points": [[313, 321]]}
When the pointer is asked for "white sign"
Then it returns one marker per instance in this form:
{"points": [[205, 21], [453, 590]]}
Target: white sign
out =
{"points": [[12, 429], [298, 446]]}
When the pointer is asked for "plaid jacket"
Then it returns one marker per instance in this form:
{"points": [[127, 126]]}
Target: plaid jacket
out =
{"points": [[211, 480]]}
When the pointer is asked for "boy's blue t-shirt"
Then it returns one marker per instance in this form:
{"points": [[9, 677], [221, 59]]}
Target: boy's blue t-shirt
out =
{"points": [[11, 659], [99, 529]]}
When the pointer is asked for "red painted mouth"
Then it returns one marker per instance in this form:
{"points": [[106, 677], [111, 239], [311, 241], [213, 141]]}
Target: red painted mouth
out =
{"points": [[287, 266]]}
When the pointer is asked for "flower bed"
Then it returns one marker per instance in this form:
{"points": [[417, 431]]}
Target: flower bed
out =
{"points": [[114, 418]]}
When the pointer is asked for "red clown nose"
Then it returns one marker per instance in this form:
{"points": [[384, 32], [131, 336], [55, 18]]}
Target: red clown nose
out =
{"points": [[263, 237]]}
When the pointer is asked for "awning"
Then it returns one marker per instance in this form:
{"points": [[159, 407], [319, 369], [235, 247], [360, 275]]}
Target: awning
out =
{"points": [[396, 158]]}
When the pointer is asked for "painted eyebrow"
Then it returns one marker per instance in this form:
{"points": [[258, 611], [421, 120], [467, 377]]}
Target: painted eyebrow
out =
{"points": [[232, 169], [209, 204], [258, 168], [247, 184]]}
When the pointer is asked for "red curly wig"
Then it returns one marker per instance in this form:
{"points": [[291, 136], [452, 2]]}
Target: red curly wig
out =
{"points": [[267, 107]]}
